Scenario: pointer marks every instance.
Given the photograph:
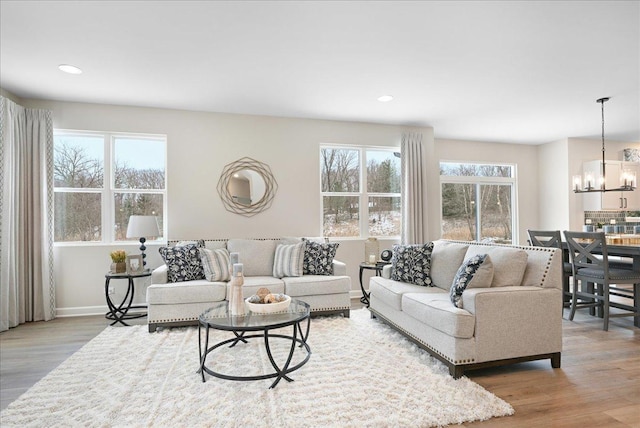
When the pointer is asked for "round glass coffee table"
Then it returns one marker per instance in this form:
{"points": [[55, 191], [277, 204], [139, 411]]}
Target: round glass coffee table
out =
{"points": [[219, 318]]}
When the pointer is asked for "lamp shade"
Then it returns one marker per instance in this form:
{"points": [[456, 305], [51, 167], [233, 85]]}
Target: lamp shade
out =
{"points": [[142, 226]]}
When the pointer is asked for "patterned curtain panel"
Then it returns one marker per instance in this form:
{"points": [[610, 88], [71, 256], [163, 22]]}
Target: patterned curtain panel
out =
{"points": [[27, 286], [414, 188]]}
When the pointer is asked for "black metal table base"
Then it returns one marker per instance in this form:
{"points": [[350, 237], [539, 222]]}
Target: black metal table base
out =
{"points": [[280, 373], [119, 313]]}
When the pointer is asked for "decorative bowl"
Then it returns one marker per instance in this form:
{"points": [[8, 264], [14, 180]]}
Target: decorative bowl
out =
{"points": [[269, 308]]}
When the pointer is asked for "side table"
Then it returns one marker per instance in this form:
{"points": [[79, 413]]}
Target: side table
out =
{"points": [[119, 313], [370, 266]]}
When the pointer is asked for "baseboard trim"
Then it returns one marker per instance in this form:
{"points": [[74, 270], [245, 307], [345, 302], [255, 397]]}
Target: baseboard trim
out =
{"points": [[81, 311]]}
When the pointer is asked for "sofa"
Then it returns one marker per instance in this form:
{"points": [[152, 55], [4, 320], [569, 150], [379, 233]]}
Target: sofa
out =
{"points": [[513, 313], [173, 300]]}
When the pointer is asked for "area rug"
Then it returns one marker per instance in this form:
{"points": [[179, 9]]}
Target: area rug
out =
{"points": [[361, 373]]}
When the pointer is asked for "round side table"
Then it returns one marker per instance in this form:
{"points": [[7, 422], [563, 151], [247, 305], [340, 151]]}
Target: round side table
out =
{"points": [[120, 312], [370, 266]]}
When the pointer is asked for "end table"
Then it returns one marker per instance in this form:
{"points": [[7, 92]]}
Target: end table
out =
{"points": [[119, 313], [370, 266]]}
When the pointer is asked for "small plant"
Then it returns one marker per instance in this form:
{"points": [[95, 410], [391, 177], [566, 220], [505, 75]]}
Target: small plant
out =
{"points": [[118, 256]]}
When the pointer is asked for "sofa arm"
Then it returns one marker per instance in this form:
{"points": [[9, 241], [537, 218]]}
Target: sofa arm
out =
{"points": [[515, 321], [386, 271], [159, 275], [339, 268]]}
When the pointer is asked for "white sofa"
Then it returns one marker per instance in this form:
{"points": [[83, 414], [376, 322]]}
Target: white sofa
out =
{"points": [[516, 318], [180, 303]]}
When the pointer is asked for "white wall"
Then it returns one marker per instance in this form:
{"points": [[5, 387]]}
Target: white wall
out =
{"points": [[554, 181], [525, 159], [199, 146]]}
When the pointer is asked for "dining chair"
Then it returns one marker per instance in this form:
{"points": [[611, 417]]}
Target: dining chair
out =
{"points": [[598, 281], [553, 238]]}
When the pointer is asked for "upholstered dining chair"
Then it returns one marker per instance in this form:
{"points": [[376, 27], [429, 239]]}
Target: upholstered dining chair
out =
{"points": [[553, 238], [590, 268]]}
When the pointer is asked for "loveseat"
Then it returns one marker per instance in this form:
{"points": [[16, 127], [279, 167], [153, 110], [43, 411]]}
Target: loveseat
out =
{"points": [[174, 301], [513, 313]]}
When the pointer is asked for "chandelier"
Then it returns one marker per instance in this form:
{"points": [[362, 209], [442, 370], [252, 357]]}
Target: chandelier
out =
{"points": [[589, 185]]}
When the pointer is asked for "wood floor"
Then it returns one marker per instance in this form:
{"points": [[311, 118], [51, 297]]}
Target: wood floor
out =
{"points": [[597, 386]]}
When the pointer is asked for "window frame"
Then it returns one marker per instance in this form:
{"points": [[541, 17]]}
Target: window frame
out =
{"points": [[363, 195], [478, 181], [108, 190]]}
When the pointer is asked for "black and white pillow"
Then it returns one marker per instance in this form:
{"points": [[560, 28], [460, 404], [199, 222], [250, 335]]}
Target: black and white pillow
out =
{"points": [[288, 260], [412, 264], [318, 258], [475, 272], [183, 263]]}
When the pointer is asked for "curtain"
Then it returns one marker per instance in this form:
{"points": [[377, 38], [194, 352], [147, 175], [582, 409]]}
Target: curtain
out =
{"points": [[27, 286], [414, 188]]}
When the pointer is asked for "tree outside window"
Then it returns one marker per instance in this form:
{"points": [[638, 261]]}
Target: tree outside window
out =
{"points": [[100, 180], [351, 209], [477, 202]]}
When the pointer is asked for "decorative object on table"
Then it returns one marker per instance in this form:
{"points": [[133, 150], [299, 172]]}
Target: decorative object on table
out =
{"points": [[234, 258], [371, 250], [236, 301], [134, 264], [143, 227], [118, 259], [386, 255], [247, 187], [627, 177], [265, 302]]}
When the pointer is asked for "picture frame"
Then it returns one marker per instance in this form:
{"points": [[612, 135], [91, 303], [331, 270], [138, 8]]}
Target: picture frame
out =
{"points": [[134, 264]]}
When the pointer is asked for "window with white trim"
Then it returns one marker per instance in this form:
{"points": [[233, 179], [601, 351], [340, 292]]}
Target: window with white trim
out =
{"points": [[101, 179], [478, 201], [360, 191]]}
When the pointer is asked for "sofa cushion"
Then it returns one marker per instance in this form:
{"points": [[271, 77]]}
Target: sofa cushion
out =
{"points": [[436, 311], [412, 263], [446, 259], [476, 272], [197, 291], [288, 260], [309, 285], [253, 283], [318, 257], [215, 264], [256, 255], [509, 264], [391, 291], [183, 262]]}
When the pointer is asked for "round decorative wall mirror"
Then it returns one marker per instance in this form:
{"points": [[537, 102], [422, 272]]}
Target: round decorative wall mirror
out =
{"points": [[247, 187]]}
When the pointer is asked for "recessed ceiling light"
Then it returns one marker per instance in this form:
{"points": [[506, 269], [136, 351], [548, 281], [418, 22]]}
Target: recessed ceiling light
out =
{"points": [[385, 98], [71, 69]]}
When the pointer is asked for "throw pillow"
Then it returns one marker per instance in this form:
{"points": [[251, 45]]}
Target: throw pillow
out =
{"points": [[199, 243], [475, 272], [183, 263], [412, 264], [215, 264], [288, 260], [318, 258]]}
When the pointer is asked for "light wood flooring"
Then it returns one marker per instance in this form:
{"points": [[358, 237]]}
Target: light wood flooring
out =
{"points": [[597, 386]]}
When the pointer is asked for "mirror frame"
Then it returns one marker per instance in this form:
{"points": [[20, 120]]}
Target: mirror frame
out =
{"points": [[261, 169]]}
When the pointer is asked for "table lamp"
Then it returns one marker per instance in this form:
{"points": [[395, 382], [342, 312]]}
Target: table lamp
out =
{"points": [[141, 226]]}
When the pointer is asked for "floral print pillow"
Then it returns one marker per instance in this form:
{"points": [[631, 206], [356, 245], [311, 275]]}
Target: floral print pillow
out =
{"points": [[412, 264], [318, 258], [183, 263]]}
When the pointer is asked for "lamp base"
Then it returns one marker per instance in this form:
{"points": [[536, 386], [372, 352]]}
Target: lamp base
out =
{"points": [[142, 248]]}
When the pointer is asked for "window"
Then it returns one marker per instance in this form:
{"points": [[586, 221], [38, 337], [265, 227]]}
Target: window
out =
{"points": [[360, 191], [101, 179], [478, 202]]}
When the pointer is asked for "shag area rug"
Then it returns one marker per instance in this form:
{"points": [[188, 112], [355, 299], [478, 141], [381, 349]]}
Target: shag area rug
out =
{"points": [[361, 373]]}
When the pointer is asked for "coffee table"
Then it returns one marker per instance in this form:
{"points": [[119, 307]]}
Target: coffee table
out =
{"points": [[219, 318]]}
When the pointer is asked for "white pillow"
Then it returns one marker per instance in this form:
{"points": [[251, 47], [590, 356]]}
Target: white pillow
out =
{"points": [[288, 260], [215, 264], [509, 263]]}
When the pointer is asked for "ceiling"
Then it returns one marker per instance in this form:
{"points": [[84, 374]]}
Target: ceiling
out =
{"points": [[519, 72]]}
